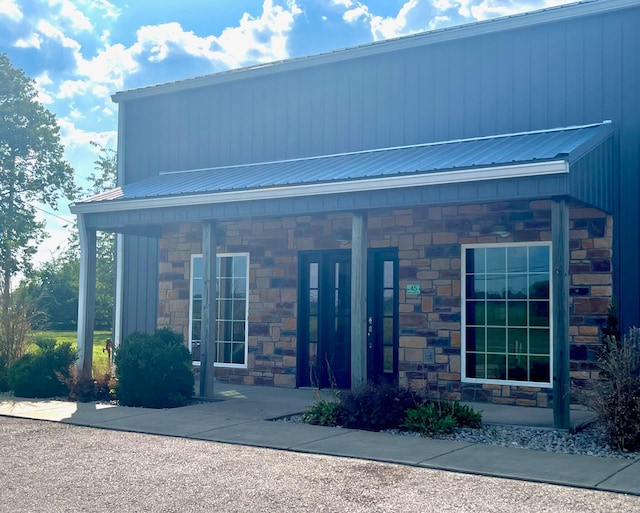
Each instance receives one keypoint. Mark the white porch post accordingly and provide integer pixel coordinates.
(209, 312)
(358, 299)
(119, 292)
(560, 315)
(86, 297)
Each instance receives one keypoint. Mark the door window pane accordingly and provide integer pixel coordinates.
(387, 279)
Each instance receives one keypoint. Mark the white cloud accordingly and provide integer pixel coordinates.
(439, 21)
(419, 15)
(41, 83)
(108, 10)
(11, 10)
(110, 66)
(157, 41)
(261, 39)
(57, 239)
(254, 40)
(33, 40)
(383, 27)
(49, 30)
(72, 137)
(352, 15)
(71, 88)
(487, 9)
(69, 11)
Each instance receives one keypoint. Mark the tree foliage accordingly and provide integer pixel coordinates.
(32, 169)
(53, 287)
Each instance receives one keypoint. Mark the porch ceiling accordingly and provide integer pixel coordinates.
(502, 158)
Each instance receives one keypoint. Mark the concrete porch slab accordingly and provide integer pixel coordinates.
(382, 447)
(511, 462)
(176, 422)
(276, 435)
(626, 480)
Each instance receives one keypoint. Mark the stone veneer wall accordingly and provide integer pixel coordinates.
(428, 240)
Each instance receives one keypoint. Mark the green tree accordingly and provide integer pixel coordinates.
(103, 178)
(52, 290)
(53, 287)
(32, 169)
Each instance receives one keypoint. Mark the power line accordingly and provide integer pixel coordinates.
(50, 213)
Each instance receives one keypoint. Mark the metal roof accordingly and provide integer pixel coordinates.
(501, 156)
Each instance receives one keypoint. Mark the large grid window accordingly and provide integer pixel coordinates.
(232, 292)
(507, 313)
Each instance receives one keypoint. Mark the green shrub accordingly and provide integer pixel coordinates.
(429, 419)
(616, 395)
(154, 370)
(43, 372)
(440, 417)
(375, 407)
(465, 416)
(324, 413)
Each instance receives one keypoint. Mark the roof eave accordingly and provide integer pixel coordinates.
(341, 187)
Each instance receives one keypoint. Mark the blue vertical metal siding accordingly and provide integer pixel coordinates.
(574, 71)
(140, 282)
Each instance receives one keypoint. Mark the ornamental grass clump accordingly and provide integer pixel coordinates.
(616, 394)
(325, 412)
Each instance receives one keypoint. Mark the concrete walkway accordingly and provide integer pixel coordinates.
(242, 414)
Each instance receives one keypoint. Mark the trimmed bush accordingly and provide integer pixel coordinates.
(154, 370)
(43, 372)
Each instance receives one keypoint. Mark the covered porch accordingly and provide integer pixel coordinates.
(564, 167)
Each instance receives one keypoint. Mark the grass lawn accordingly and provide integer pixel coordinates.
(100, 363)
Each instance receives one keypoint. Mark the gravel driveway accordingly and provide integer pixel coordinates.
(60, 468)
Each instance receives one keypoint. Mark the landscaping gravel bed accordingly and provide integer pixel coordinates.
(589, 440)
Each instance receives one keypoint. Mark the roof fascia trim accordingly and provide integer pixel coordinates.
(295, 191)
(558, 13)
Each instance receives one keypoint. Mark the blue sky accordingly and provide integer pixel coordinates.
(80, 52)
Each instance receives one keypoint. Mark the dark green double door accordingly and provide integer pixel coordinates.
(324, 321)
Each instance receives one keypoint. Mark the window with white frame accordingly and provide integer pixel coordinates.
(232, 302)
(506, 315)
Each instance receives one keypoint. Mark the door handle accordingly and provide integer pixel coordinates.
(370, 332)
